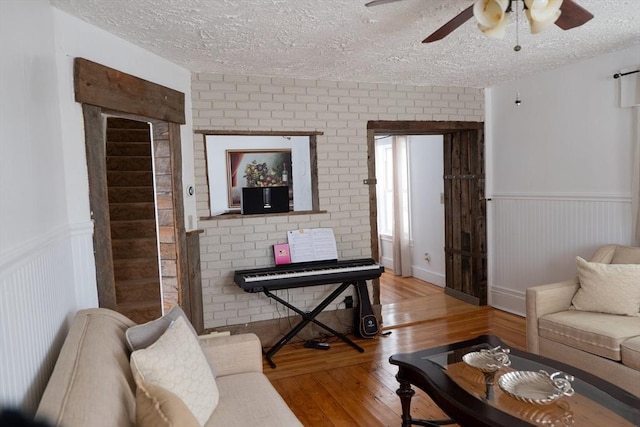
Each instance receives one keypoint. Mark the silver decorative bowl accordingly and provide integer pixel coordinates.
(488, 360)
(539, 388)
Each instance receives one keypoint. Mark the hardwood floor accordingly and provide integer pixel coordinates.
(342, 387)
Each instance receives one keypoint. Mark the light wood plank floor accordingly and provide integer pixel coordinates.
(342, 387)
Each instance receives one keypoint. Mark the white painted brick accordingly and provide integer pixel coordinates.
(260, 114)
(328, 84)
(339, 92)
(211, 113)
(293, 124)
(316, 107)
(209, 77)
(259, 79)
(295, 90)
(247, 123)
(340, 110)
(271, 89)
(249, 105)
(282, 114)
(200, 122)
(261, 97)
(214, 96)
(270, 123)
(248, 87)
(236, 113)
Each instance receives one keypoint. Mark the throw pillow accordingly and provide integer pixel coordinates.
(608, 288)
(176, 362)
(626, 255)
(158, 407)
(142, 336)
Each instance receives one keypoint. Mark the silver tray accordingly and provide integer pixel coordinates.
(536, 387)
(488, 360)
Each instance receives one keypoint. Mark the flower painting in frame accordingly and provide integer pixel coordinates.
(257, 168)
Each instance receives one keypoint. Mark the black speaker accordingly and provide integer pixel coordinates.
(261, 200)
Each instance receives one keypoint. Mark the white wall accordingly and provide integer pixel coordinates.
(426, 168)
(46, 251)
(36, 240)
(76, 38)
(559, 173)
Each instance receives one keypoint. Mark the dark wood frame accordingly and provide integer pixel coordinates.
(103, 91)
(454, 130)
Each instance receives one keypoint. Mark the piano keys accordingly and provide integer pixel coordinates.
(307, 274)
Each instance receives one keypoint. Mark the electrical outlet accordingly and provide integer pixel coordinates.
(427, 257)
(348, 301)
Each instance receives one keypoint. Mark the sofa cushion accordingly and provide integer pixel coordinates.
(142, 336)
(630, 353)
(158, 407)
(252, 395)
(176, 362)
(626, 255)
(608, 288)
(595, 333)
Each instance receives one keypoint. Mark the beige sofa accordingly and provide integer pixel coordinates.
(606, 345)
(92, 384)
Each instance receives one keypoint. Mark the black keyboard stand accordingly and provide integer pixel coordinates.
(308, 317)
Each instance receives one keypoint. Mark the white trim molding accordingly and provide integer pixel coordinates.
(507, 300)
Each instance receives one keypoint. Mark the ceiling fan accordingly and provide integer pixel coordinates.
(492, 16)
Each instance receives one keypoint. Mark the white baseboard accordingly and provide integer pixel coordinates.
(507, 300)
(428, 276)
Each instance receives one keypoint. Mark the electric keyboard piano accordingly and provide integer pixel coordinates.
(307, 274)
(348, 272)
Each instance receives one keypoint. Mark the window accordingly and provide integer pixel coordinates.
(384, 175)
(235, 161)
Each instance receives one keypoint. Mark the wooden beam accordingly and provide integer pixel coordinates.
(421, 127)
(94, 128)
(98, 85)
(255, 132)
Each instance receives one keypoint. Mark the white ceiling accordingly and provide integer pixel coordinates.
(342, 40)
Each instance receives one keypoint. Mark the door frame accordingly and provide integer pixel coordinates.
(103, 92)
(401, 128)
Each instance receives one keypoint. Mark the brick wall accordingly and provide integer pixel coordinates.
(341, 111)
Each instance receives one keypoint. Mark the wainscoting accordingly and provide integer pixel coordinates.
(38, 298)
(531, 236)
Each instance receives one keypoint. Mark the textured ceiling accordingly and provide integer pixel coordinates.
(345, 41)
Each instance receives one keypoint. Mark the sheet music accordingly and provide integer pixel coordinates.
(312, 244)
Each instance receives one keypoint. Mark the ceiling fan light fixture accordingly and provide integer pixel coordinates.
(491, 16)
(542, 13)
(496, 32)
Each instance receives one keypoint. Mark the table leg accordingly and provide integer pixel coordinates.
(405, 392)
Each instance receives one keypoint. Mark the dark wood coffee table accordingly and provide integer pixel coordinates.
(473, 398)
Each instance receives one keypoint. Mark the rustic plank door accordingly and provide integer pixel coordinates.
(465, 216)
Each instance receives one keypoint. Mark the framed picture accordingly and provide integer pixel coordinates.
(256, 168)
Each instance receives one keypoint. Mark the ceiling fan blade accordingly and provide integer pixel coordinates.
(447, 28)
(573, 15)
(378, 2)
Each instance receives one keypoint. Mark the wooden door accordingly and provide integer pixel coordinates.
(465, 216)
